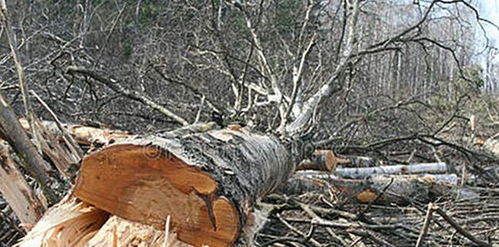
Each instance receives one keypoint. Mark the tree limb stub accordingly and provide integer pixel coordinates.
(207, 182)
(20, 142)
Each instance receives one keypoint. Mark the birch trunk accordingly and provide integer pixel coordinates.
(206, 182)
(400, 189)
(365, 172)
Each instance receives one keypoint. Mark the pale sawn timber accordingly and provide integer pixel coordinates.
(121, 232)
(84, 135)
(16, 191)
(70, 222)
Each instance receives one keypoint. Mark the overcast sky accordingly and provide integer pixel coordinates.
(490, 10)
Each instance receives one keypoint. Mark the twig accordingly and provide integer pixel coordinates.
(461, 230)
(17, 61)
(194, 90)
(198, 114)
(113, 27)
(70, 141)
(426, 225)
(335, 236)
(283, 240)
(356, 241)
(371, 236)
(303, 235)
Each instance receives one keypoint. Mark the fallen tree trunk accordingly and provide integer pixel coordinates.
(206, 182)
(400, 189)
(365, 172)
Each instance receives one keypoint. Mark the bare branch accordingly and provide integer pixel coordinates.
(126, 92)
(328, 88)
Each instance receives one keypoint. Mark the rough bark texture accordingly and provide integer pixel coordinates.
(16, 191)
(206, 182)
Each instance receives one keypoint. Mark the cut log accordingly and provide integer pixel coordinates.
(394, 169)
(322, 160)
(16, 191)
(206, 182)
(400, 190)
(360, 161)
(450, 179)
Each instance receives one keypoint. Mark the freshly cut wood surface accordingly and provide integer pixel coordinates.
(16, 191)
(84, 135)
(206, 182)
(128, 180)
(120, 232)
(70, 222)
(322, 160)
